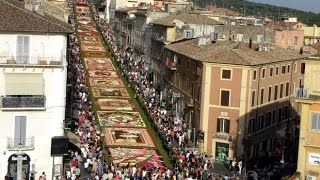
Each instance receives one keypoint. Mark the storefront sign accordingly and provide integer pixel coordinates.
(225, 137)
(314, 159)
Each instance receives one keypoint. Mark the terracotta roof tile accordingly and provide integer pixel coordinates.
(226, 52)
(15, 18)
(188, 18)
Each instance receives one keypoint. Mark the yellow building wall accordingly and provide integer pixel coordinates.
(171, 34)
(313, 32)
(309, 141)
(312, 77)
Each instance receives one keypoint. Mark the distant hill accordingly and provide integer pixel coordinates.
(258, 9)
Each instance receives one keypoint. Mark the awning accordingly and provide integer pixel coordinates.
(73, 138)
(24, 84)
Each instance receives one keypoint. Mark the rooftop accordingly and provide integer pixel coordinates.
(15, 18)
(228, 52)
(187, 18)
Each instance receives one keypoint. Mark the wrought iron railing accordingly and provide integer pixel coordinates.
(301, 93)
(20, 143)
(23, 102)
(27, 60)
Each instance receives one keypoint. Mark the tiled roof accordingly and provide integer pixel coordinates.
(226, 52)
(15, 18)
(126, 9)
(187, 18)
(222, 10)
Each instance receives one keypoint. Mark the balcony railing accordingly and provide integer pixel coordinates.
(301, 93)
(27, 60)
(14, 144)
(33, 102)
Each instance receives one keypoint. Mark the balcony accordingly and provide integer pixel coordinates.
(31, 61)
(171, 65)
(23, 103)
(14, 144)
(301, 93)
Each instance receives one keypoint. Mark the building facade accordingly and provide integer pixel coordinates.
(240, 86)
(33, 50)
(308, 99)
(311, 34)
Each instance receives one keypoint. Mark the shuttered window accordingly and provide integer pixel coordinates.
(23, 49)
(24, 84)
(223, 125)
(315, 124)
(20, 129)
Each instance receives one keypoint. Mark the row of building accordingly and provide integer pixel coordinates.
(246, 84)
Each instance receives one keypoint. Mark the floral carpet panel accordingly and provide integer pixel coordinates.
(109, 92)
(99, 64)
(120, 119)
(125, 156)
(128, 137)
(114, 104)
(106, 82)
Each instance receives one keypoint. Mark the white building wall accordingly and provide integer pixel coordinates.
(42, 125)
(45, 45)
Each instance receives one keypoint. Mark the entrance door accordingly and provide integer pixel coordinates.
(222, 152)
(12, 166)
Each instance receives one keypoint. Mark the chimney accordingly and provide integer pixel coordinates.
(301, 50)
(40, 10)
(250, 43)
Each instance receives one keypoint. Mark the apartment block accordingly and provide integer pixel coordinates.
(243, 92)
(33, 72)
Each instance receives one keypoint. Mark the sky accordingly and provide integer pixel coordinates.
(305, 5)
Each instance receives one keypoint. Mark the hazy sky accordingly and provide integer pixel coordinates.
(305, 5)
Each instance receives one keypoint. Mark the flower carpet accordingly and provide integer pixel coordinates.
(125, 133)
(120, 119)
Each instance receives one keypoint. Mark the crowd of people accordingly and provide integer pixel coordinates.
(188, 164)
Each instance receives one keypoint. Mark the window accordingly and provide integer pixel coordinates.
(252, 126)
(271, 72)
(261, 96)
(275, 97)
(268, 119)
(226, 74)
(281, 90)
(253, 97)
(20, 126)
(254, 76)
(287, 88)
(277, 71)
(263, 73)
(315, 124)
(179, 61)
(269, 94)
(225, 98)
(295, 67)
(288, 69)
(223, 125)
(260, 122)
(283, 69)
(303, 68)
(273, 116)
(23, 49)
(295, 40)
(285, 112)
(280, 115)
